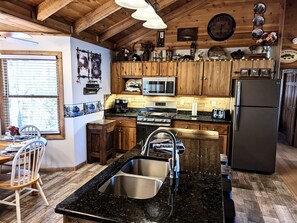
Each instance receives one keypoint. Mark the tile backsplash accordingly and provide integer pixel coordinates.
(183, 103)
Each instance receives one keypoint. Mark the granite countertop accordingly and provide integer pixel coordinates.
(181, 115)
(198, 197)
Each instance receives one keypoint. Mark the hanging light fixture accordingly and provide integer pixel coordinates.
(145, 13)
(157, 23)
(132, 4)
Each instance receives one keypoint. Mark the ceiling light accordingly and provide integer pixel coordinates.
(132, 4)
(145, 13)
(155, 24)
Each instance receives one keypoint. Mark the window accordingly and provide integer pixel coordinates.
(32, 91)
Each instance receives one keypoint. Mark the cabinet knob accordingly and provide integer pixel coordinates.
(213, 129)
(205, 78)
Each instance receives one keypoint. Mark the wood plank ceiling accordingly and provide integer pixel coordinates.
(104, 23)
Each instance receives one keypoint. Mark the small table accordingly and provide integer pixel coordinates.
(100, 140)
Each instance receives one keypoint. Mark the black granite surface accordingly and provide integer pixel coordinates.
(195, 197)
(181, 115)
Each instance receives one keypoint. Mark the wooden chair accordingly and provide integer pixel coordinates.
(24, 176)
(30, 130)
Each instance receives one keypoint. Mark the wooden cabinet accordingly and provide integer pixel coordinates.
(222, 129)
(131, 69)
(189, 78)
(116, 80)
(217, 78)
(100, 140)
(164, 68)
(237, 65)
(125, 133)
(168, 68)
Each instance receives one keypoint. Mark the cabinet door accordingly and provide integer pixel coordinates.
(128, 138)
(116, 80)
(237, 65)
(150, 68)
(126, 68)
(136, 68)
(217, 78)
(189, 79)
(168, 68)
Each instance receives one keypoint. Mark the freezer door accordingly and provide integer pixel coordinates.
(254, 140)
(263, 93)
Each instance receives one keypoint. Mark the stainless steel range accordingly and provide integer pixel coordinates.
(156, 114)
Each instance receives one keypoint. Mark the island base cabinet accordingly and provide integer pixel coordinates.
(69, 219)
(100, 141)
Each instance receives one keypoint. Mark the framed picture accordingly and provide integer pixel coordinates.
(96, 65)
(83, 63)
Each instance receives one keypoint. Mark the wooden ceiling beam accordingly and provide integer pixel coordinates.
(95, 16)
(186, 9)
(128, 22)
(48, 7)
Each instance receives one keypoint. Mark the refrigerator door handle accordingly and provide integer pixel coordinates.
(238, 93)
(236, 119)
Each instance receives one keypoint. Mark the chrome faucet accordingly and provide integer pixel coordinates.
(174, 165)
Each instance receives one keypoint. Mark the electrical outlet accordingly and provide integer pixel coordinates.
(213, 103)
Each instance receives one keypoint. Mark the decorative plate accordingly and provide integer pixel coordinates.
(259, 8)
(258, 20)
(257, 33)
(288, 56)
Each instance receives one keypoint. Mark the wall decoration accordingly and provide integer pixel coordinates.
(96, 65)
(187, 34)
(91, 107)
(75, 110)
(83, 58)
(160, 38)
(221, 27)
(288, 56)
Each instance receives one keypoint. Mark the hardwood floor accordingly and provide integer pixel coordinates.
(268, 198)
(257, 197)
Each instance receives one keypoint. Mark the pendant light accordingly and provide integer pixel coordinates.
(132, 4)
(145, 13)
(157, 23)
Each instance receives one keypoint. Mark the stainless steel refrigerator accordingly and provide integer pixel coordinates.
(255, 125)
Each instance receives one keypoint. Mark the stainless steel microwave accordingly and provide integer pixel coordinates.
(160, 86)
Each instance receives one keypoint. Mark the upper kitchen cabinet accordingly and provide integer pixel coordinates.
(117, 82)
(168, 68)
(131, 68)
(189, 78)
(164, 68)
(253, 68)
(217, 78)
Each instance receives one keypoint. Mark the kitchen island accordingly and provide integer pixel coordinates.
(195, 197)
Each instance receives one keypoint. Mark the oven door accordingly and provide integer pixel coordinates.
(143, 131)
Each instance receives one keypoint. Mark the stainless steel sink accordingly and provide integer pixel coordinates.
(139, 178)
(132, 186)
(147, 167)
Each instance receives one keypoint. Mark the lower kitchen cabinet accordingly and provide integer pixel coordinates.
(100, 140)
(125, 133)
(222, 129)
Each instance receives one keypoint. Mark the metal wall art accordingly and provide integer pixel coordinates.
(88, 65)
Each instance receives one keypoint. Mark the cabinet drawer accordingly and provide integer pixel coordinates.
(220, 128)
(94, 126)
(186, 125)
(124, 122)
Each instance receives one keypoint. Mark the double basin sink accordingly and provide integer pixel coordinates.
(139, 178)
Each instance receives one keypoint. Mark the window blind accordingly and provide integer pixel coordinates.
(30, 92)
